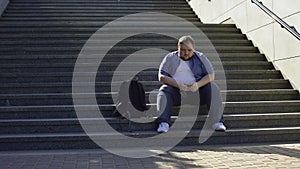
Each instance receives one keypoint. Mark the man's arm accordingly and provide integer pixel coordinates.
(170, 81)
(204, 81)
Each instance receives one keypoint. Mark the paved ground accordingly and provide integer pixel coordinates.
(247, 156)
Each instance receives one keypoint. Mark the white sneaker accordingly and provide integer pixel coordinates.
(163, 127)
(219, 127)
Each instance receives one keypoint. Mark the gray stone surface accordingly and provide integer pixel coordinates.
(242, 156)
(41, 39)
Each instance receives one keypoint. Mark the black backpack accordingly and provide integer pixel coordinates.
(131, 98)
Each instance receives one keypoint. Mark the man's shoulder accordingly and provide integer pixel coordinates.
(198, 53)
(174, 53)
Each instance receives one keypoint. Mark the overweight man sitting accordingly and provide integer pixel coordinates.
(187, 71)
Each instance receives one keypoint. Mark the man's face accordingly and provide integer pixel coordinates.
(186, 51)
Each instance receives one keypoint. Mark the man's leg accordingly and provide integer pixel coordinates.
(164, 106)
(166, 99)
(211, 96)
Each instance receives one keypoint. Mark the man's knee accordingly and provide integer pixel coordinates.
(214, 86)
(168, 88)
(210, 88)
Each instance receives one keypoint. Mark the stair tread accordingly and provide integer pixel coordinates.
(33, 121)
(252, 103)
(127, 63)
(33, 84)
(228, 132)
(104, 94)
(74, 56)
(109, 73)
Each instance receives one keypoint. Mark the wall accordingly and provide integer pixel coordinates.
(3, 5)
(280, 47)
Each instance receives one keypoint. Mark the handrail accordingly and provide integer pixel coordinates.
(3, 5)
(283, 24)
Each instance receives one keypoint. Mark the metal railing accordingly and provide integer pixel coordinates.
(283, 24)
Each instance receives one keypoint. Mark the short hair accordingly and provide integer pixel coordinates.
(186, 39)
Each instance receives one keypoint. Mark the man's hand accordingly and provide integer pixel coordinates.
(204, 81)
(194, 87)
(183, 87)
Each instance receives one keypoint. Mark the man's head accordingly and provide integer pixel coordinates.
(186, 45)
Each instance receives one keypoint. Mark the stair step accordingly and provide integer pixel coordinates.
(120, 48)
(263, 106)
(72, 28)
(92, 26)
(64, 87)
(145, 75)
(261, 95)
(268, 120)
(79, 43)
(123, 11)
(113, 15)
(106, 97)
(67, 111)
(268, 135)
(93, 3)
(99, 24)
(85, 36)
(183, 8)
(69, 125)
(34, 58)
(101, 4)
(81, 30)
(82, 14)
(90, 18)
(128, 66)
(207, 50)
(80, 140)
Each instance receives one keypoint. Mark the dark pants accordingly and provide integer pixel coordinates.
(169, 96)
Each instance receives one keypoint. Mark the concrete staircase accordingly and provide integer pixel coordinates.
(41, 39)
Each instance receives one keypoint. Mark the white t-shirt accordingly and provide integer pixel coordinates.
(184, 73)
